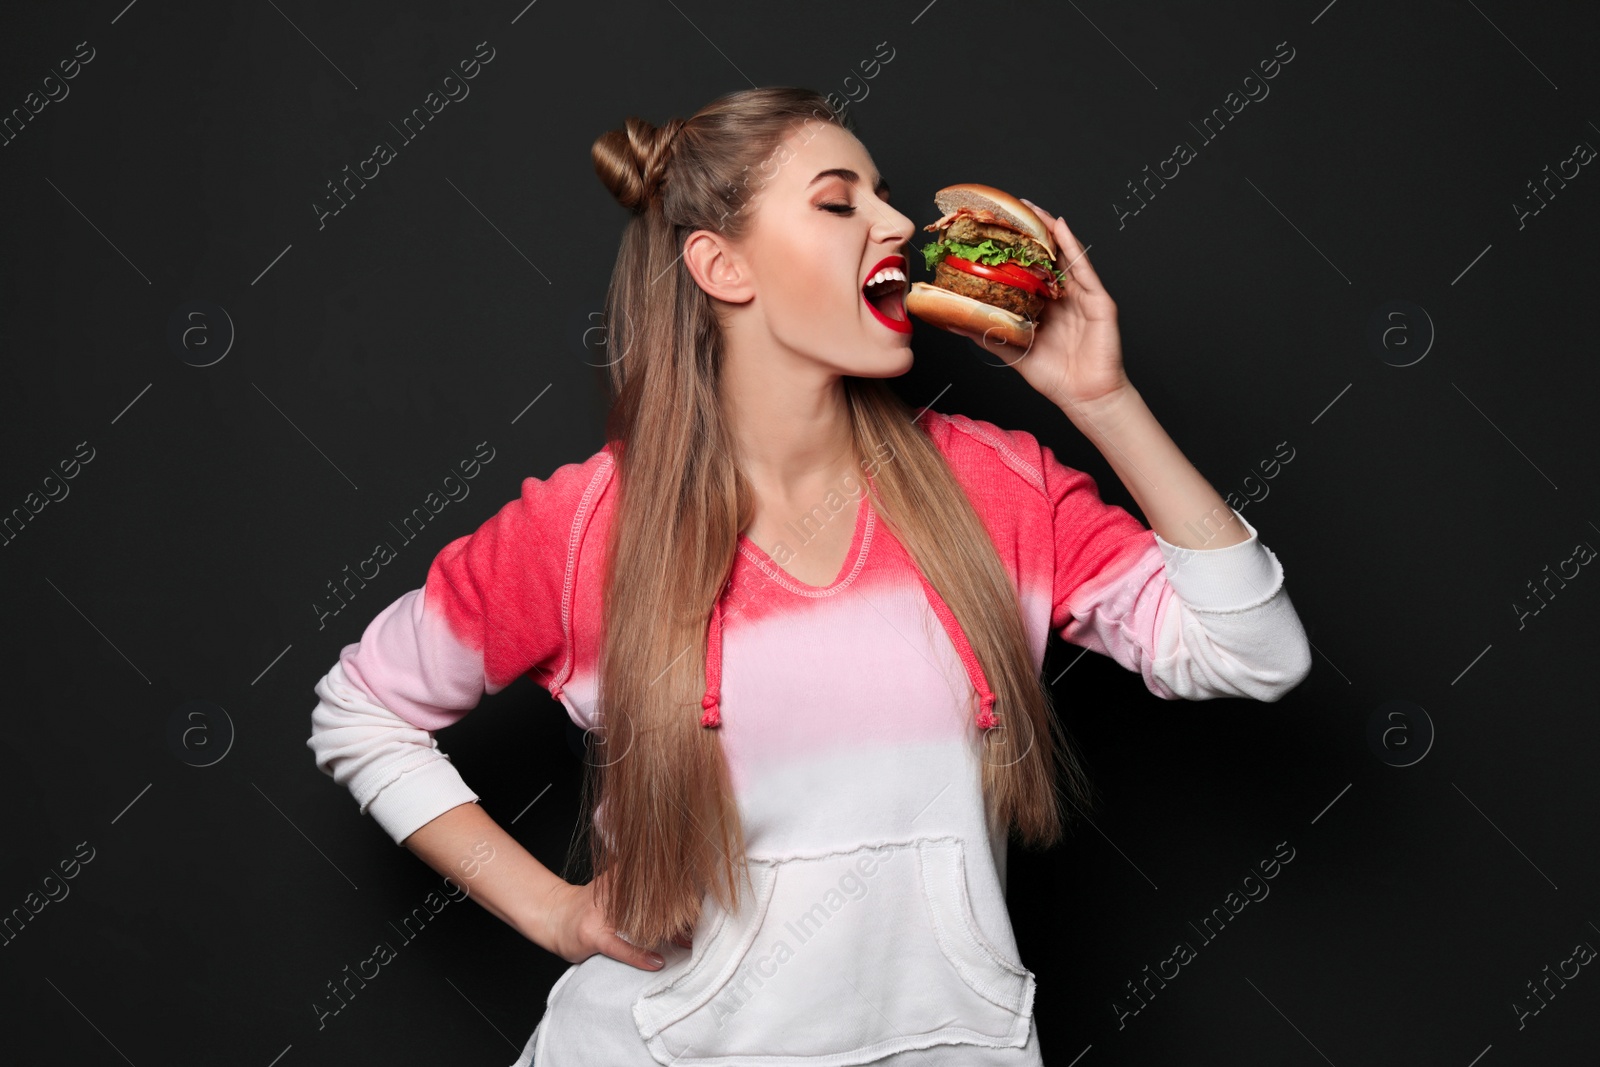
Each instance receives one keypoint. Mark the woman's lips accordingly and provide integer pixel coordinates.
(903, 323)
(900, 322)
(900, 325)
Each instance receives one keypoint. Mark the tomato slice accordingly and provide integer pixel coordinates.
(1029, 273)
(1004, 273)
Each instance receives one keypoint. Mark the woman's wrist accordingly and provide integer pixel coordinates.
(533, 911)
(1100, 417)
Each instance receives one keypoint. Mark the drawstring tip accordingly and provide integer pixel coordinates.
(713, 715)
(987, 719)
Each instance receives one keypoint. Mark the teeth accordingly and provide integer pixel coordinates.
(885, 274)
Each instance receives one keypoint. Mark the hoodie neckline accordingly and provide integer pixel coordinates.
(854, 559)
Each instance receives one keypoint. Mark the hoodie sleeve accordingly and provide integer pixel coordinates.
(1196, 624)
(489, 611)
(394, 769)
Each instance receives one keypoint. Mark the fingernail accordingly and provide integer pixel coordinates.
(655, 960)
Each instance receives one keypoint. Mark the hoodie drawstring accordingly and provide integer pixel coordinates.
(969, 659)
(712, 716)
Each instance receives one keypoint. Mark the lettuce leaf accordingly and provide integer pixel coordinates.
(986, 252)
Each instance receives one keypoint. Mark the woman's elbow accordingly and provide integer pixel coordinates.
(1277, 684)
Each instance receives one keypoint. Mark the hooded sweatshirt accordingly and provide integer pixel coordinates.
(873, 928)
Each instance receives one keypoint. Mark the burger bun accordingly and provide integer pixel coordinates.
(1002, 205)
(951, 311)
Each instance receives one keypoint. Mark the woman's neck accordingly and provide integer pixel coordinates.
(793, 431)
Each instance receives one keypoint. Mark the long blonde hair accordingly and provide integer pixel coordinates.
(668, 827)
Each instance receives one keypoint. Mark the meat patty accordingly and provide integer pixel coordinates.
(997, 294)
(969, 231)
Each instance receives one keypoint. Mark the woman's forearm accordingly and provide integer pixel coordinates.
(1177, 501)
(471, 848)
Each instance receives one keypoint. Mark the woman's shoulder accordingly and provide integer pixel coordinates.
(535, 532)
(574, 477)
(572, 490)
(978, 447)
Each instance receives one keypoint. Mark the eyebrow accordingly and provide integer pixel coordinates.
(881, 188)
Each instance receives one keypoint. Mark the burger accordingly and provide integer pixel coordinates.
(993, 263)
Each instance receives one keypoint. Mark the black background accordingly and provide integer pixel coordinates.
(374, 352)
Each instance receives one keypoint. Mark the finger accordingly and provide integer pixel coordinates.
(1037, 210)
(988, 340)
(618, 949)
(1074, 260)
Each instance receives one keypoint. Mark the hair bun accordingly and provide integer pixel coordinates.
(632, 161)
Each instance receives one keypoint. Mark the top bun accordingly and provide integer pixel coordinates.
(632, 161)
(1005, 206)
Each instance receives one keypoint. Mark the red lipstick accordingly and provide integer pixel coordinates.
(903, 323)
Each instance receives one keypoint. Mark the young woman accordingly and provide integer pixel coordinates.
(805, 626)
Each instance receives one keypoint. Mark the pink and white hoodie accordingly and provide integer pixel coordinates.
(874, 929)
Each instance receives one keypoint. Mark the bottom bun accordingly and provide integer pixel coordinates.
(951, 311)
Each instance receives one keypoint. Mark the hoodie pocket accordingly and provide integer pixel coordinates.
(835, 959)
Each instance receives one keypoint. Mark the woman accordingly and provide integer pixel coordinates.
(825, 617)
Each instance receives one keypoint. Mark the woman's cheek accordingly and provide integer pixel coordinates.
(812, 289)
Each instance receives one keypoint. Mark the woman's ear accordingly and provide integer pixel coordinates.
(717, 267)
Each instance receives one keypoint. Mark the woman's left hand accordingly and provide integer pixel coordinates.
(1076, 355)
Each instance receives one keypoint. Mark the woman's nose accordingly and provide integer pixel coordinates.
(895, 226)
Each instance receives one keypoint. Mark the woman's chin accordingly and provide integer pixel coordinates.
(889, 365)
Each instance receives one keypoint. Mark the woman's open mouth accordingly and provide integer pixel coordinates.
(884, 293)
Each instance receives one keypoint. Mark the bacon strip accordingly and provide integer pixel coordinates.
(980, 215)
(1052, 286)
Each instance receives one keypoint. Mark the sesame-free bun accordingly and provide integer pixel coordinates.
(1005, 206)
(951, 311)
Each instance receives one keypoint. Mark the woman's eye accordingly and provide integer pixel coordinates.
(839, 209)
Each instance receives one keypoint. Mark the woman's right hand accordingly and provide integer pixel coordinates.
(575, 928)
(464, 843)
